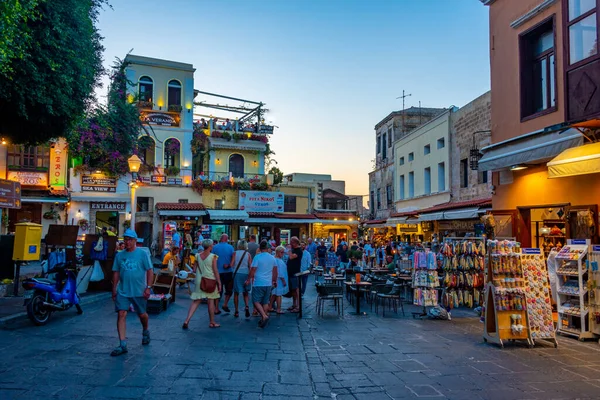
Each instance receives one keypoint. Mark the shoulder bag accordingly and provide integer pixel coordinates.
(238, 266)
(208, 285)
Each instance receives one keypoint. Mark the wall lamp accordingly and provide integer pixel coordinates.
(78, 213)
(518, 167)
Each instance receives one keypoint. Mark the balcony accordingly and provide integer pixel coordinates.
(215, 176)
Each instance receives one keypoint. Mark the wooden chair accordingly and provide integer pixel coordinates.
(164, 283)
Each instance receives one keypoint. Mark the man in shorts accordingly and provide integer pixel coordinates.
(263, 276)
(293, 267)
(132, 280)
(226, 259)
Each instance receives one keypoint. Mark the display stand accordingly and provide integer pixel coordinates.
(425, 280)
(506, 316)
(572, 290)
(537, 292)
(594, 288)
(464, 265)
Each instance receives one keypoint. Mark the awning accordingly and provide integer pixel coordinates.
(181, 213)
(86, 196)
(180, 209)
(397, 220)
(580, 160)
(465, 213)
(436, 216)
(532, 148)
(228, 215)
(251, 221)
(44, 200)
(340, 222)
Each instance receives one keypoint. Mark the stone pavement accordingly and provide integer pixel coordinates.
(314, 358)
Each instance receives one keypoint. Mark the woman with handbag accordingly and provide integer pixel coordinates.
(208, 284)
(240, 276)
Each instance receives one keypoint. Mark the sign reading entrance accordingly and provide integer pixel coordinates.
(10, 194)
(107, 205)
(98, 183)
(252, 201)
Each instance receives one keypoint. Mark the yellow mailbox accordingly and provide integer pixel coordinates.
(28, 239)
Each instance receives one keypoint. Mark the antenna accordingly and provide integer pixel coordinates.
(404, 96)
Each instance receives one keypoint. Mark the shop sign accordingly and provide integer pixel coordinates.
(579, 241)
(265, 129)
(58, 164)
(158, 179)
(458, 225)
(160, 118)
(253, 201)
(26, 178)
(174, 181)
(354, 235)
(107, 205)
(408, 227)
(10, 194)
(531, 251)
(427, 226)
(98, 183)
(595, 248)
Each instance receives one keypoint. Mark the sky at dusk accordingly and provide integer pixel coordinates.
(328, 70)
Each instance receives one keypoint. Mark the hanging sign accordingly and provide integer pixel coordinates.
(160, 118)
(98, 183)
(26, 178)
(107, 205)
(58, 164)
(265, 129)
(531, 251)
(10, 194)
(253, 201)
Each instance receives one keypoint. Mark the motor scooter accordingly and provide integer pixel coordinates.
(43, 296)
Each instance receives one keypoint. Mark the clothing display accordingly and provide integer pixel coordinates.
(425, 279)
(463, 264)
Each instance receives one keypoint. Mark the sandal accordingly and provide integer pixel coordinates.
(247, 312)
(185, 325)
(226, 309)
(217, 312)
(118, 351)
(295, 310)
(215, 325)
(255, 314)
(236, 314)
(280, 312)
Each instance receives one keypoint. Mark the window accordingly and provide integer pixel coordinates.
(383, 148)
(172, 149)
(289, 204)
(411, 184)
(219, 204)
(379, 199)
(464, 173)
(441, 143)
(372, 204)
(401, 187)
(441, 177)
(426, 149)
(390, 137)
(146, 86)
(28, 157)
(378, 144)
(389, 195)
(483, 177)
(427, 180)
(143, 204)
(538, 69)
(401, 160)
(583, 30)
(411, 156)
(146, 149)
(174, 93)
(236, 165)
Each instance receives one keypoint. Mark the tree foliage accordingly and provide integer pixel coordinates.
(277, 175)
(51, 64)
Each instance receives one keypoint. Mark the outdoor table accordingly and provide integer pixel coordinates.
(380, 271)
(358, 284)
(333, 278)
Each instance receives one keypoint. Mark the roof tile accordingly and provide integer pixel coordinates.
(181, 206)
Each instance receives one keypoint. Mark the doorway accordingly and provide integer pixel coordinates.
(108, 220)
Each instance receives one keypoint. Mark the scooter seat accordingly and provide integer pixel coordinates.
(44, 280)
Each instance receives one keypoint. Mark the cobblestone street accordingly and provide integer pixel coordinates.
(317, 357)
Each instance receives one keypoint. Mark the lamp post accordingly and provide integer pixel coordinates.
(134, 167)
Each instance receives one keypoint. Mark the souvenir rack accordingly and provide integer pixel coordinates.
(425, 281)
(594, 288)
(463, 264)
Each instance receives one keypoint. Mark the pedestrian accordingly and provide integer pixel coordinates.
(293, 267)
(252, 246)
(332, 259)
(240, 276)
(263, 276)
(175, 239)
(305, 266)
(206, 269)
(321, 254)
(343, 256)
(226, 259)
(369, 254)
(132, 281)
(171, 260)
(282, 280)
(311, 246)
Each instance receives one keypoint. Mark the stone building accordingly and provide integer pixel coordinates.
(471, 129)
(390, 129)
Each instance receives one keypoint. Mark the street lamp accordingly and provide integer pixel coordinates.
(134, 167)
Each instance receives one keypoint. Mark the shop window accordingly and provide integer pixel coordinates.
(401, 192)
(28, 157)
(401, 161)
(538, 69)
(441, 143)
(236, 165)
(145, 89)
(389, 195)
(383, 147)
(411, 156)
(379, 199)
(426, 149)
(441, 177)
(427, 180)
(411, 184)
(464, 173)
(174, 94)
(583, 30)
(143, 204)
(289, 204)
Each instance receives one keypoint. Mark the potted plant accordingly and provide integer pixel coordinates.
(52, 215)
(145, 104)
(83, 224)
(175, 108)
(172, 171)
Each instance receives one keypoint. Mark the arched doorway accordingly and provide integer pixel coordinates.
(236, 165)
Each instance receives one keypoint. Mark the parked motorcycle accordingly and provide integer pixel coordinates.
(44, 296)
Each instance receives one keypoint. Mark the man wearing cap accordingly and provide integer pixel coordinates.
(132, 280)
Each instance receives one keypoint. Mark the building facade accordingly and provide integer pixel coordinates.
(545, 108)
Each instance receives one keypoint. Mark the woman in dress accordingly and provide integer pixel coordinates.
(282, 280)
(207, 268)
(243, 261)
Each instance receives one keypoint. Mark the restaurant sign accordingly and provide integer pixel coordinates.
(26, 178)
(58, 164)
(160, 118)
(107, 206)
(161, 179)
(98, 183)
(253, 201)
(408, 227)
(10, 194)
(467, 225)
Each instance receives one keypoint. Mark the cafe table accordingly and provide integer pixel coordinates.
(333, 278)
(358, 286)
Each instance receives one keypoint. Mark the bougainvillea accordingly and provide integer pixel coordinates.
(172, 147)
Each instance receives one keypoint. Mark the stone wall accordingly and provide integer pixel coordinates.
(471, 118)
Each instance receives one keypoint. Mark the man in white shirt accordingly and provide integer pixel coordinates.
(263, 276)
(305, 266)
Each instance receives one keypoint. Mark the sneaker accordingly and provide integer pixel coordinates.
(118, 351)
(146, 338)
